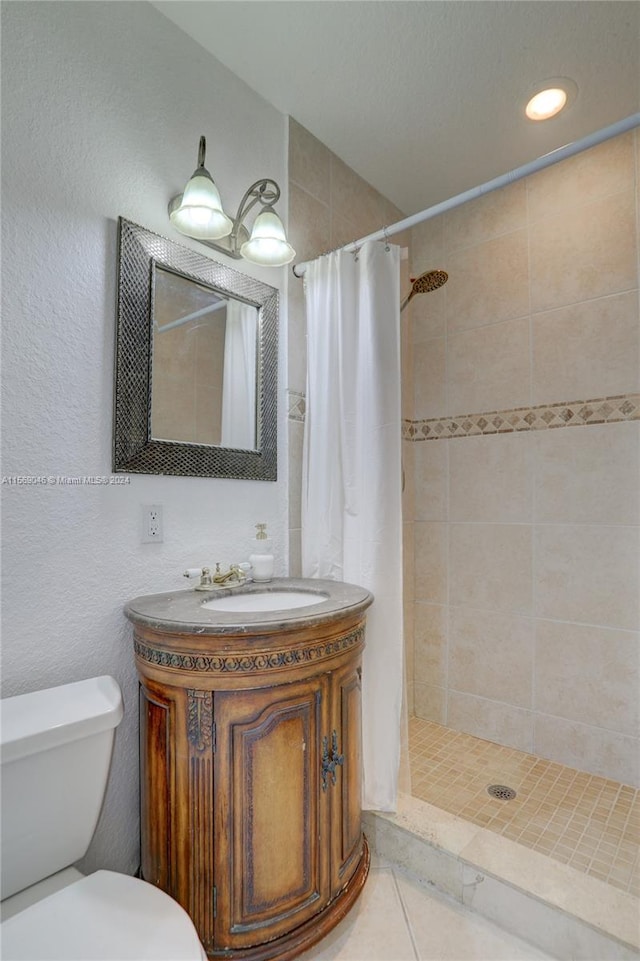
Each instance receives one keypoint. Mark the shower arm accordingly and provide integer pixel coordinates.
(547, 160)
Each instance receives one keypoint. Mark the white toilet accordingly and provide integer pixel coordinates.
(55, 752)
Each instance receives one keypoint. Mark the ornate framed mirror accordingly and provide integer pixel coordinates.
(196, 364)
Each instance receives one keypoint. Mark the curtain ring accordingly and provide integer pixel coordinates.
(355, 252)
(386, 239)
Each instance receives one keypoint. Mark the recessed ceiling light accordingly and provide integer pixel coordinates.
(549, 98)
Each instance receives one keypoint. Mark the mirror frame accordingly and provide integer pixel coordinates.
(134, 449)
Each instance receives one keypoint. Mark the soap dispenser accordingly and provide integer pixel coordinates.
(262, 559)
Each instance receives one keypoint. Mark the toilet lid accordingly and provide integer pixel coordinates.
(103, 917)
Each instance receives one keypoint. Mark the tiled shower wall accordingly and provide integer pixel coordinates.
(329, 206)
(522, 455)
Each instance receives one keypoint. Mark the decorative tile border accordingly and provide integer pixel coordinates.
(296, 405)
(579, 413)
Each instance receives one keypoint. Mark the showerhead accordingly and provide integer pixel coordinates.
(426, 282)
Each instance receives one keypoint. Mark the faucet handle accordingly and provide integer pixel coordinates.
(204, 573)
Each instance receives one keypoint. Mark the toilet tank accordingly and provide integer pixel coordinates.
(55, 752)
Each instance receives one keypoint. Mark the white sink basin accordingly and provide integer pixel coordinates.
(252, 602)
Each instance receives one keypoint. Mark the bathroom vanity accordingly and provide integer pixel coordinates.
(250, 749)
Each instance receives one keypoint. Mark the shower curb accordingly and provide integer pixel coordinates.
(564, 912)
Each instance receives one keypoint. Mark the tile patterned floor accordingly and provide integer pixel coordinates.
(588, 822)
(398, 919)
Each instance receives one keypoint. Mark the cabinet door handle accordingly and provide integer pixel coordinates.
(330, 761)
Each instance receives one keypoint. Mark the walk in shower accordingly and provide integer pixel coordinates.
(521, 508)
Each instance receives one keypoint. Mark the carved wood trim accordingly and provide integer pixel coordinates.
(201, 813)
(245, 663)
(200, 719)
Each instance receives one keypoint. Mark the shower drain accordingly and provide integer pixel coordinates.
(501, 791)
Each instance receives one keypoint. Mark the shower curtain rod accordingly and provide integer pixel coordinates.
(561, 153)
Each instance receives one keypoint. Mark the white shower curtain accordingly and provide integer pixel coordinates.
(351, 501)
(239, 376)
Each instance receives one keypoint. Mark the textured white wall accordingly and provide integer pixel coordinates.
(103, 104)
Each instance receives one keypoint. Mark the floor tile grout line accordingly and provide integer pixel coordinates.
(405, 913)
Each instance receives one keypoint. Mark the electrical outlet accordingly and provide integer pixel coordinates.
(151, 523)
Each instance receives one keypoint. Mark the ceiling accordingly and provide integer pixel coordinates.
(424, 99)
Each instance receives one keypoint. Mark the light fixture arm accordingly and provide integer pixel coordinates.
(202, 149)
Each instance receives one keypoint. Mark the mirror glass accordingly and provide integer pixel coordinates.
(203, 364)
(196, 364)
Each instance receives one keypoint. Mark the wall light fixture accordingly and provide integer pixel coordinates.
(198, 213)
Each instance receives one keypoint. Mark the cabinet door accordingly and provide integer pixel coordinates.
(346, 794)
(271, 872)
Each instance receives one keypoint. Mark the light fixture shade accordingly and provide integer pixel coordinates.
(268, 242)
(200, 214)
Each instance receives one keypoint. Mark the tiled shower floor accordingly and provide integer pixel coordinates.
(588, 822)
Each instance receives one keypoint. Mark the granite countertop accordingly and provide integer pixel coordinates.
(181, 612)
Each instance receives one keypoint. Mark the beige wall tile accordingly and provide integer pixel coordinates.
(587, 252)
(343, 230)
(588, 674)
(508, 725)
(429, 378)
(491, 655)
(637, 140)
(427, 312)
(309, 161)
(605, 169)
(430, 473)
(408, 498)
(499, 212)
(587, 350)
(406, 386)
(488, 282)
(296, 337)
(427, 246)
(588, 748)
(408, 566)
(491, 478)
(309, 224)
(589, 475)
(430, 702)
(430, 579)
(295, 553)
(408, 616)
(489, 368)
(588, 574)
(491, 566)
(430, 644)
(296, 434)
(355, 198)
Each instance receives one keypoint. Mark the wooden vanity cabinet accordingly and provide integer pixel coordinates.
(251, 782)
